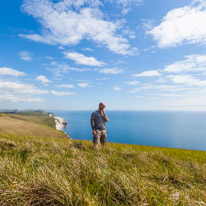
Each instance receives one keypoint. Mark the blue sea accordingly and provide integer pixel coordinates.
(185, 130)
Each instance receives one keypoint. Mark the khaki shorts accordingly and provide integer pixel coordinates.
(101, 136)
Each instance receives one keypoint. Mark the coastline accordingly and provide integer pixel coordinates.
(61, 123)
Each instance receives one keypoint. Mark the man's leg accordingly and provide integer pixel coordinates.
(96, 138)
(103, 137)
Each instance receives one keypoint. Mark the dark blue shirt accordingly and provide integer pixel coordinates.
(98, 118)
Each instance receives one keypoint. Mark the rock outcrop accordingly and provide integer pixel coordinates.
(60, 123)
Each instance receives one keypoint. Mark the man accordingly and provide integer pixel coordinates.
(98, 119)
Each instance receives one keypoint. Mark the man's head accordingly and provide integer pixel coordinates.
(102, 106)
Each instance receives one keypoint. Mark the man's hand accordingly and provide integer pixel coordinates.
(105, 116)
(94, 132)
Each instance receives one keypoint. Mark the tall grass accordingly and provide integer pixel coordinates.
(46, 171)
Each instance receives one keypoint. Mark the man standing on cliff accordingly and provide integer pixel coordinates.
(98, 119)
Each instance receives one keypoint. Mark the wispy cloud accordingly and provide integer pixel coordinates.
(111, 71)
(187, 79)
(88, 49)
(10, 71)
(83, 60)
(43, 79)
(151, 73)
(68, 22)
(48, 57)
(60, 69)
(61, 47)
(20, 92)
(147, 24)
(182, 25)
(126, 4)
(83, 85)
(13, 98)
(68, 86)
(7, 86)
(192, 63)
(60, 93)
(116, 88)
(152, 87)
(100, 79)
(25, 55)
(132, 82)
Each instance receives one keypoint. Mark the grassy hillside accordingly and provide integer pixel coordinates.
(35, 125)
(34, 116)
(54, 171)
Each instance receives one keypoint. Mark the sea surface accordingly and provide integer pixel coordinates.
(186, 130)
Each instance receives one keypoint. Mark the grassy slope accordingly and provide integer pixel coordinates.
(29, 125)
(40, 171)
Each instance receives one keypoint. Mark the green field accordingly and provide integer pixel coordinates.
(60, 171)
(29, 124)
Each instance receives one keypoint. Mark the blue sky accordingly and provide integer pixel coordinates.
(131, 54)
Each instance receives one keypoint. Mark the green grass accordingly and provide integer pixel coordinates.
(29, 125)
(36, 117)
(54, 171)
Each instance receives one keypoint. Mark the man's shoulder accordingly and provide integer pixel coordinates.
(95, 112)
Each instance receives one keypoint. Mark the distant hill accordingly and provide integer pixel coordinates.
(8, 110)
(33, 125)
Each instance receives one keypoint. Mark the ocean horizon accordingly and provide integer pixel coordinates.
(172, 129)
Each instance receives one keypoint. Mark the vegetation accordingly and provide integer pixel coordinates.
(37, 116)
(36, 125)
(58, 171)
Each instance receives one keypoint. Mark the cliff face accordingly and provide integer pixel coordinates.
(60, 123)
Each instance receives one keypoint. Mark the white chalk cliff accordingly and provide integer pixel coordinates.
(60, 123)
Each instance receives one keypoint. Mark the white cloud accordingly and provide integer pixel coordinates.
(25, 55)
(19, 88)
(61, 47)
(18, 92)
(100, 79)
(69, 22)
(81, 59)
(12, 72)
(192, 63)
(132, 82)
(111, 71)
(57, 93)
(48, 57)
(151, 87)
(88, 49)
(66, 86)
(62, 69)
(182, 25)
(187, 79)
(83, 85)
(129, 33)
(117, 88)
(147, 24)
(13, 98)
(126, 2)
(43, 79)
(151, 73)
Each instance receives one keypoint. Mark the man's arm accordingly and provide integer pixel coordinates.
(92, 124)
(105, 117)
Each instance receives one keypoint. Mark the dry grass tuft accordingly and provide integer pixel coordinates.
(5, 145)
